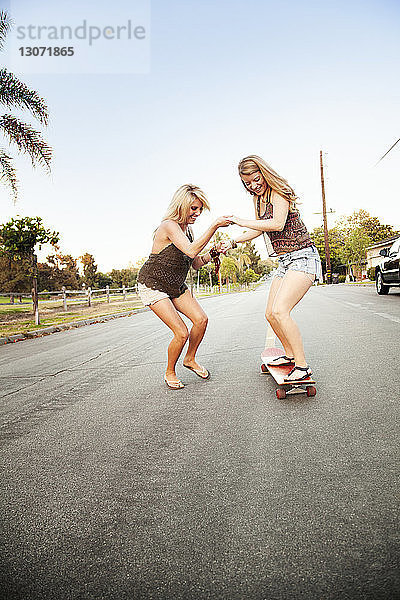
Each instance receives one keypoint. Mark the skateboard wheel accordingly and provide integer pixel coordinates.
(311, 390)
(264, 369)
(280, 394)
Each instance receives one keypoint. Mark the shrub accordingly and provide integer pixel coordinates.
(371, 273)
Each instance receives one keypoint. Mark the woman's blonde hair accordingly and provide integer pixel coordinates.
(179, 207)
(251, 164)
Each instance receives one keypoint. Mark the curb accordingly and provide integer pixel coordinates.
(19, 337)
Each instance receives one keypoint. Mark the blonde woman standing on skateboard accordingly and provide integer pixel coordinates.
(161, 280)
(299, 262)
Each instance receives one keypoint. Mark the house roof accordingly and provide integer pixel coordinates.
(386, 242)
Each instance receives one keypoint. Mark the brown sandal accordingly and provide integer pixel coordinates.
(305, 370)
(287, 361)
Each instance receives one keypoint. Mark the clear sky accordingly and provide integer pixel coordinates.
(227, 78)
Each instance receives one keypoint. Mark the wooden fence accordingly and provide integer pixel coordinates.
(88, 296)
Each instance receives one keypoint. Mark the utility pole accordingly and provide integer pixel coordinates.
(327, 252)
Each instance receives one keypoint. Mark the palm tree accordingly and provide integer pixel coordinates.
(228, 269)
(241, 257)
(14, 93)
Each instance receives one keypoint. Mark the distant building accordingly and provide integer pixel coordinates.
(373, 256)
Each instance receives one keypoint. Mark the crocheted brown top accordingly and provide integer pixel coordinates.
(167, 270)
(294, 235)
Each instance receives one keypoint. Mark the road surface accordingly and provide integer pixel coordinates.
(115, 487)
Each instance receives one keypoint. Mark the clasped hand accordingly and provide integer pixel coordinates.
(224, 221)
(227, 220)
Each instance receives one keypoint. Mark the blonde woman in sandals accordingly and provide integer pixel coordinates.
(161, 280)
(299, 263)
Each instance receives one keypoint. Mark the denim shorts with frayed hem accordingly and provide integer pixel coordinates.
(306, 260)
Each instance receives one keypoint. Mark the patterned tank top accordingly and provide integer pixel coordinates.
(294, 235)
(167, 270)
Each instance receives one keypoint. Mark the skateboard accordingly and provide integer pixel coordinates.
(279, 373)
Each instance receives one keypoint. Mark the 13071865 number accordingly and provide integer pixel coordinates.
(46, 50)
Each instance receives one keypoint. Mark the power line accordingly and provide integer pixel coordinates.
(391, 148)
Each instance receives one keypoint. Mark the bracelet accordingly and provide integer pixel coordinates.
(214, 252)
(215, 257)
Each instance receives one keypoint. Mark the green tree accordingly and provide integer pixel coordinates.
(115, 275)
(128, 277)
(15, 274)
(59, 271)
(123, 277)
(18, 240)
(103, 280)
(20, 236)
(350, 237)
(241, 257)
(266, 266)
(89, 269)
(14, 93)
(207, 274)
(374, 229)
(250, 276)
(219, 236)
(250, 249)
(336, 238)
(229, 268)
(353, 251)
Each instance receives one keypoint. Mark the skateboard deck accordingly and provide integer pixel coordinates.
(279, 373)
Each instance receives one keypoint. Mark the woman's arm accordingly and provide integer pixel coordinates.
(202, 260)
(247, 236)
(175, 234)
(280, 211)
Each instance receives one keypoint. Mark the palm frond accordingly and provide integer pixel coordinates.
(5, 26)
(27, 140)
(15, 93)
(8, 174)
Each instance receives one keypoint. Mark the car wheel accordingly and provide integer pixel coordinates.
(381, 288)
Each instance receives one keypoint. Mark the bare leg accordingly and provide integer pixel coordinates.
(189, 306)
(294, 285)
(165, 310)
(273, 291)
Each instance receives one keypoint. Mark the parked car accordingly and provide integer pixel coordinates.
(387, 272)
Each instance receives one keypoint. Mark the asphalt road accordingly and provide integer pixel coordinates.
(114, 487)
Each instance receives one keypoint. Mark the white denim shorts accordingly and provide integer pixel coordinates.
(306, 260)
(149, 296)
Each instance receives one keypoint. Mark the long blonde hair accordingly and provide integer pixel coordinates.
(179, 207)
(251, 164)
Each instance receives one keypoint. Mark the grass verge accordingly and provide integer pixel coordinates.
(20, 320)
